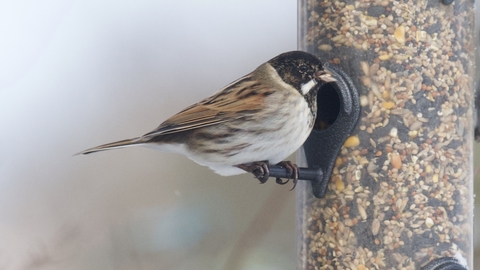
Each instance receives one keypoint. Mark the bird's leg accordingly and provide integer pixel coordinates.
(259, 169)
(292, 170)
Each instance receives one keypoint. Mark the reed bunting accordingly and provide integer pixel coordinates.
(257, 120)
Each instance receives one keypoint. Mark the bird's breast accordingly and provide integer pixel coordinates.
(271, 134)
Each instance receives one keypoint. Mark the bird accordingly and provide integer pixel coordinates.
(256, 120)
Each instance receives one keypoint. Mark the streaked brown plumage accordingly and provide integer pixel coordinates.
(263, 116)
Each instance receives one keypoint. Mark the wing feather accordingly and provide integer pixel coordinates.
(237, 100)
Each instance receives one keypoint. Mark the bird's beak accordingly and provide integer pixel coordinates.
(324, 76)
(321, 76)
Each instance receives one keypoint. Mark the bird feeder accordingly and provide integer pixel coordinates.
(399, 193)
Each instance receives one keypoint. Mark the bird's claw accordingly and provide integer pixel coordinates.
(292, 170)
(279, 181)
(259, 169)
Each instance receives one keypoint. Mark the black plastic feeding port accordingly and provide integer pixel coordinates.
(337, 114)
(445, 263)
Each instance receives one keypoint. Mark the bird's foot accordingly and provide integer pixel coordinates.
(292, 170)
(259, 169)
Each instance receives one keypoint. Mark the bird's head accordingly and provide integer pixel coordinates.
(301, 70)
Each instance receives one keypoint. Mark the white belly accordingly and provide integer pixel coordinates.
(273, 146)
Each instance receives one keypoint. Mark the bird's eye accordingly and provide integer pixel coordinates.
(303, 68)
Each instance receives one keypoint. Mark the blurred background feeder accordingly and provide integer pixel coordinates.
(400, 195)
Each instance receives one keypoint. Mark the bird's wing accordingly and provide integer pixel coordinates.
(238, 99)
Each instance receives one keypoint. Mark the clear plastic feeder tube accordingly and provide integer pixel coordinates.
(400, 194)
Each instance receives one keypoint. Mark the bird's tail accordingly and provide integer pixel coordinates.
(113, 145)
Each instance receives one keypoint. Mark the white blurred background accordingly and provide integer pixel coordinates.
(75, 74)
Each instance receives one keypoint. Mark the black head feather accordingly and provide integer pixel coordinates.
(296, 67)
